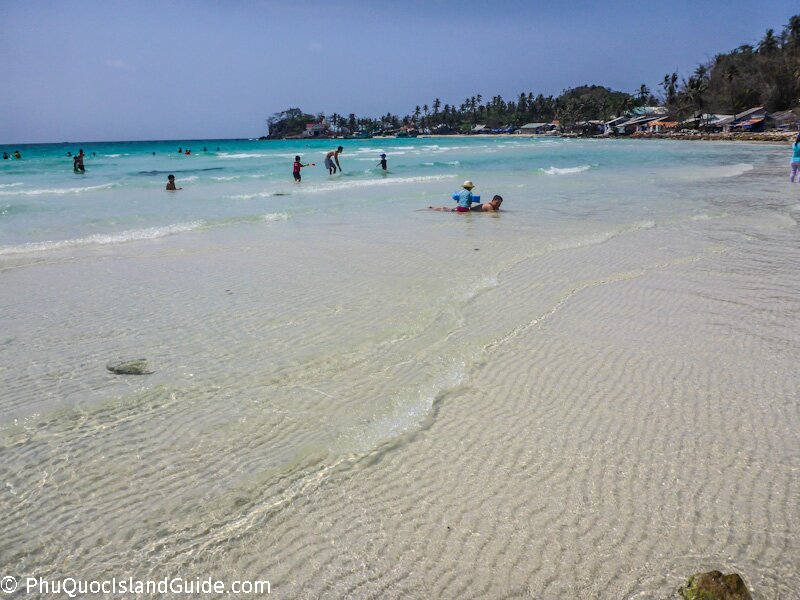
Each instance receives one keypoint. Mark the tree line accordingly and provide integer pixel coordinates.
(766, 74)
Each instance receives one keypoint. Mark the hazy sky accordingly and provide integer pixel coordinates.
(90, 70)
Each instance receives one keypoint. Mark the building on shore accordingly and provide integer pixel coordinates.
(536, 128)
(662, 126)
(315, 130)
(786, 120)
(591, 127)
(636, 124)
(753, 119)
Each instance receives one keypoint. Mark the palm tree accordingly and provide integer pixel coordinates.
(769, 43)
(669, 84)
(730, 74)
(644, 93)
(793, 29)
(701, 72)
(694, 93)
(416, 113)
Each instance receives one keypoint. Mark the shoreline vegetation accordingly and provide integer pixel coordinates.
(749, 90)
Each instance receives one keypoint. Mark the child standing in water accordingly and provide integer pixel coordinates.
(795, 160)
(382, 164)
(296, 169)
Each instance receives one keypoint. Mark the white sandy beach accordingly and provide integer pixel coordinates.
(593, 395)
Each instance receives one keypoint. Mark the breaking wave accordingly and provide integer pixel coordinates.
(565, 170)
(71, 190)
(131, 235)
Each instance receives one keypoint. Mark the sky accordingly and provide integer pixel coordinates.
(105, 70)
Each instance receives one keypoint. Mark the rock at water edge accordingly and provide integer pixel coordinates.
(715, 586)
(137, 366)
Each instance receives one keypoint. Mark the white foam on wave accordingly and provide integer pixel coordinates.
(732, 170)
(112, 155)
(72, 190)
(131, 235)
(454, 163)
(229, 178)
(249, 196)
(642, 225)
(602, 237)
(280, 216)
(190, 178)
(241, 155)
(706, 172)
(375, 182)
(486, 283)
(8, 185)
(565, 170)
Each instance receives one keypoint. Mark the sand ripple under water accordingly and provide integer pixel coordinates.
(589, 396)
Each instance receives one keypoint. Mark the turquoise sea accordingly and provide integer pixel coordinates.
(42, 202)
(591, 394)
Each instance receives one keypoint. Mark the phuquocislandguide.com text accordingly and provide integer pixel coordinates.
(73, 587)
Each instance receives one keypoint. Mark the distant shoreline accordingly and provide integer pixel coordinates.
(775, 137)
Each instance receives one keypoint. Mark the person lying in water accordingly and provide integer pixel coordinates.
(493, 206)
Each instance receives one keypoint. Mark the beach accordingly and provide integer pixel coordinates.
(591, 394)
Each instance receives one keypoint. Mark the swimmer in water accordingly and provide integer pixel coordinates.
(382, 164)
(171, 183)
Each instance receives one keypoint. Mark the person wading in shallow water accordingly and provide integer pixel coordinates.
(795, 160)
(77, 162)
(330, 157)
(171, 183)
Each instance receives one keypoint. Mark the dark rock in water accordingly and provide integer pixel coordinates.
(137, 366)
(715, 586)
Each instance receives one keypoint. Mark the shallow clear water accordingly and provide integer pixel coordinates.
(334, 353)
(118, 198)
